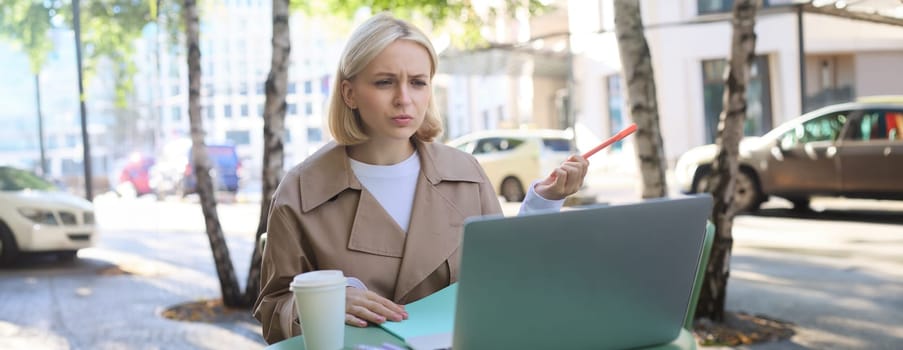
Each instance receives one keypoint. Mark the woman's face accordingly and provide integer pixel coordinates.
(392, 93)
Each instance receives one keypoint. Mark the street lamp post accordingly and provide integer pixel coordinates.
(86, 144)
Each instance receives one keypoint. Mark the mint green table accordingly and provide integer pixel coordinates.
(377, 336)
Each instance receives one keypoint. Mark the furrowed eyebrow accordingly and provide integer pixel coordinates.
(393, 75)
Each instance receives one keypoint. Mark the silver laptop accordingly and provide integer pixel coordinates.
(607, 277)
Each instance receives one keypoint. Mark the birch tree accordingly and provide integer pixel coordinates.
(273, 132)
(726, 166)
(231, 292)
(636, 62)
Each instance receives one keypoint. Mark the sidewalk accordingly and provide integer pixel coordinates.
(90, 304)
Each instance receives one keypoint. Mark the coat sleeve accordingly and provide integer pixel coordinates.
(283, 258)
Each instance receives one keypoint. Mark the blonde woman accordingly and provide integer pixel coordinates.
(382, 203)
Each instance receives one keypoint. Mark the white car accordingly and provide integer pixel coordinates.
(512, 159)
(35, 217)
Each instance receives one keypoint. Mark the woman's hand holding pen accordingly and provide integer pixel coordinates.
(362, 306)
(565, 180)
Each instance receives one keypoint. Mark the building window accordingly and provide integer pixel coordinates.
(758, 97)
(287, 137)
(211, 111)
(291, 109)
(308, 108)
(244, 110)
(176, 114)
(308, 87)
(227, 111)
(291, 88)
(260, 109)
(260, 88)
(616, 118)
(314, 135)
(239, 137)
(719, 6)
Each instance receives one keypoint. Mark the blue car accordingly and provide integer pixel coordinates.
(224, 169)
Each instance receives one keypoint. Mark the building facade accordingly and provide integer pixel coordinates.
(832, 57)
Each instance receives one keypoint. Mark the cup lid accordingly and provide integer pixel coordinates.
(318, 278)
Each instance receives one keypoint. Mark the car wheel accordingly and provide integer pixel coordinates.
(68, 255)
(800, 203)
(8, 247)
(512, 190)
(747, 195)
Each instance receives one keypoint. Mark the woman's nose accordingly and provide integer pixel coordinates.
(403, 96)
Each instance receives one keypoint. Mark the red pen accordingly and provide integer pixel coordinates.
(620, 135)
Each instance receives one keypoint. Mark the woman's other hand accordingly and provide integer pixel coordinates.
(362, 306)
(564, 180)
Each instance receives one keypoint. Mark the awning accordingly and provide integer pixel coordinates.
(878, 11)
(506, 60)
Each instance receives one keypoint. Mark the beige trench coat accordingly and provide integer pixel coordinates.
(321, 218)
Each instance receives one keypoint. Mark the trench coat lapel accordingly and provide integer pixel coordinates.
(373, 230)
(432, 237)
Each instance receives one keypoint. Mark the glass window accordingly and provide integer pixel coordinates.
(12, 179)
(176, 114)
(244, 110)
(308, 87)
(824, 128)
(227, 111)
(308, 108)
(758, 97)
(211, 111)
(291, 109)
(239, 137)
(616, 117)
(291, 88)
(314, 135)
(717, 6)
(496, 144)
(878, 125)
(557, 145)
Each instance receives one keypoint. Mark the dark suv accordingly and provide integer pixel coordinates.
(851, 150)
(224, 169)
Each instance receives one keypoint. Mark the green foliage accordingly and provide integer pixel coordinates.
(109, 30)
(460, 19)
(25, 24)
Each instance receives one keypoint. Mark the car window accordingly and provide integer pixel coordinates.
(878, 125)
(465, 146)
(12, 179)
(824, 128)
(496, 144)
(557, 145)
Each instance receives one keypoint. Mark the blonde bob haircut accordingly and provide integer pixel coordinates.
(367, 41)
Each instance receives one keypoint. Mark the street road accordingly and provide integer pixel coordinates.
(836, 272)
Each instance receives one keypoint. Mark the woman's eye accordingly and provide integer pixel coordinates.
(383, 83)
(418, 83)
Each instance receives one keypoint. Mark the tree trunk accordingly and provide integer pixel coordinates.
(637, 67)
(273, 132)
(228, 282)
(726, 165)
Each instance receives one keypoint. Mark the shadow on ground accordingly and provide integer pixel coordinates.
(856, 215)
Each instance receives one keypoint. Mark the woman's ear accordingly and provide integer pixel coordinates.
(347, 94)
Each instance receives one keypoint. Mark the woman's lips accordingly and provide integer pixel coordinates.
(402, 120)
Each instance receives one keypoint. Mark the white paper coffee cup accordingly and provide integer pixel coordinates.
(320, 301)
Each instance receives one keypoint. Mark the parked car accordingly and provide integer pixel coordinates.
(36, 217)
(513, 159)
(224, 169)
(852, 150)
